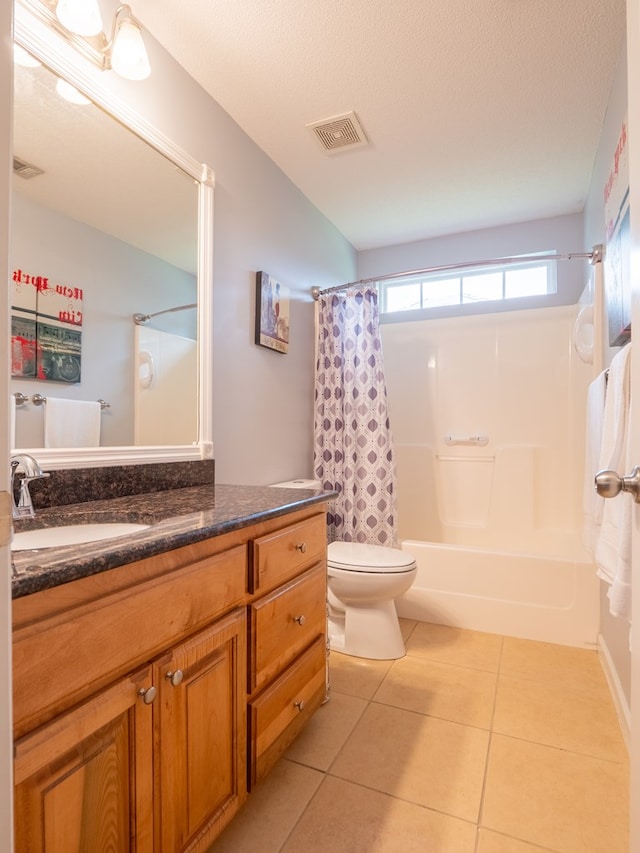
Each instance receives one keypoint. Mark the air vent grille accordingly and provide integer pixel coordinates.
(339, 133)
(25, 170)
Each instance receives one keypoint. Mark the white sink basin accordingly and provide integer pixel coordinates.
(71, 534)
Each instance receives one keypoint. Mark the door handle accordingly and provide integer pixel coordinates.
(610, 483)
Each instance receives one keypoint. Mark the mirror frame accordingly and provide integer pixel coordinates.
(32, 32)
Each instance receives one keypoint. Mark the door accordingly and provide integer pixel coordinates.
(201, 735)
(6, 97)
(633, 74)
(84, 781)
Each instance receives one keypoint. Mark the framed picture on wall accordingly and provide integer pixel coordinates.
(272, 313)
(46, 329)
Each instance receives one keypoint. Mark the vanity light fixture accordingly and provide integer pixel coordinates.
(81, 17)
(127, 51)
(70, 93)
(79, 23)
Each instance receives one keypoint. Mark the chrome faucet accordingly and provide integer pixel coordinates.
(32, 471)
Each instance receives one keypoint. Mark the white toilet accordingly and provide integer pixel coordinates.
(363, 582)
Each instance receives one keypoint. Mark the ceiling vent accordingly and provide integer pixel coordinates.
(339, 133)
(25, 170)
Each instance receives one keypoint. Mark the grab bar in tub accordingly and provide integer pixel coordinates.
(478, 440)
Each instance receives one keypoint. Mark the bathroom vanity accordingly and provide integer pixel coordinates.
(159, 676)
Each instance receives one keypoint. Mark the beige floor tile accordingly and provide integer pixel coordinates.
(454, 693)
(347, 818)
(492, 842)
(319, 743)
(356, 676)
(559, 716)
(271, 811)
(406, 627)
(557, 799)
(553, 664)
(457, 646)
(424, 760)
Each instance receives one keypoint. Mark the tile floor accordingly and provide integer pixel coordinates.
(472, 743)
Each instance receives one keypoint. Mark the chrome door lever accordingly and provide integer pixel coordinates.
(610, 483)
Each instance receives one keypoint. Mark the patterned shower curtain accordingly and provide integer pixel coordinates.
(353, 449)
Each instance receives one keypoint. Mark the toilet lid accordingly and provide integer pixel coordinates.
(359, 557)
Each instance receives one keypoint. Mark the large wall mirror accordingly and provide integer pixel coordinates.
(110, 222)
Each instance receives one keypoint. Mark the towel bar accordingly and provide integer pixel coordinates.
(38, 400)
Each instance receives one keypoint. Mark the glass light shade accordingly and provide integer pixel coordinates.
(24, 58)
(81, 17)
(128, 54)
(70, 93)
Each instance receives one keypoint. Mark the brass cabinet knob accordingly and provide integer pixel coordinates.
(175, 677)
(301, 619)
(299, 705)
(147, 694)
(302, 547)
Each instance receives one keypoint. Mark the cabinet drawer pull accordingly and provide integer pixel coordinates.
(175, 677)
(147, 695)
(302, 547)
(301, 619)
(299, 704)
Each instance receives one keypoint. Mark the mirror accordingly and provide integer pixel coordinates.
(109, 220)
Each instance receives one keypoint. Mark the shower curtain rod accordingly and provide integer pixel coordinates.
(594, 257)
(141, 319)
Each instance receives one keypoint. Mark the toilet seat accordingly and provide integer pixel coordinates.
(374, 559)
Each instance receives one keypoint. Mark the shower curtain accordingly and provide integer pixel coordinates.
(353, 446)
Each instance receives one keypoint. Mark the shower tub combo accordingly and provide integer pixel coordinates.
(488, 415)
(549, 598)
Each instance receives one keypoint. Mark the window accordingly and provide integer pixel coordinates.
(466, 286)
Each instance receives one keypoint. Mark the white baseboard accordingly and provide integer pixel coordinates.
(617, 693)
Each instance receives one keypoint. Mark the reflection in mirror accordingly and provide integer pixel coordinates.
(103, 227)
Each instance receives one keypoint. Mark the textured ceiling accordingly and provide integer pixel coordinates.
(478, 112)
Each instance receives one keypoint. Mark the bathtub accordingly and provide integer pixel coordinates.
(550, 598)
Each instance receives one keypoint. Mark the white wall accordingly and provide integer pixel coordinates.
(615, 632)
(562, 234)
(117, 281)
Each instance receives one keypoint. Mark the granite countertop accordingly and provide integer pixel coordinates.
(176, 517)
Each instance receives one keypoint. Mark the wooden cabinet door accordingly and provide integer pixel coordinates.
(201, 735)
(84, 782)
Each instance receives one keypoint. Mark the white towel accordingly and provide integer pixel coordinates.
(613, 549)
(619, 593)
(12, 422)
(71, 423)
(616, 411)
(592, 503)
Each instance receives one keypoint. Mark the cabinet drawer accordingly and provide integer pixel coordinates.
(283, 709)
(285, 622)
(287, 552)
(80, 651)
